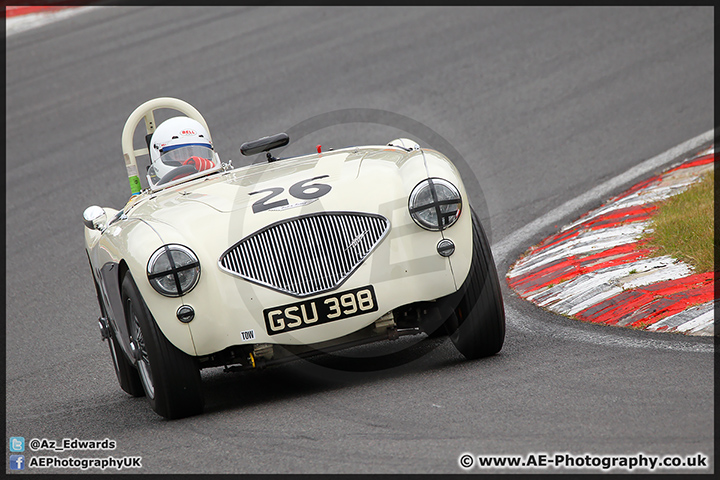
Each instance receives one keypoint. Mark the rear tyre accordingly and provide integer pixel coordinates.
(477, 326)
(170, 377)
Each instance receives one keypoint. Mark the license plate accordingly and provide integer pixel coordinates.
(317, 311)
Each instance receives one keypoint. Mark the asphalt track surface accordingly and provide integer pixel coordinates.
(542, 105)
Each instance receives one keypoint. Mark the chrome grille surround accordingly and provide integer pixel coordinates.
(306, 255)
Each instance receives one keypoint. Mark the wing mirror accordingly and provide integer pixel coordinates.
(95, 218)
(264, 145)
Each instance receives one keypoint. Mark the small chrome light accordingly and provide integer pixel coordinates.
(185, 314)
(435, 204)
(173, 270)
(95, 218)
(445, 247)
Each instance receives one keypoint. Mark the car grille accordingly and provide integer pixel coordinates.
(306, 255)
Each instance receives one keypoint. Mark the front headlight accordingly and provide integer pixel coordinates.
(435, 204)
(173, 270)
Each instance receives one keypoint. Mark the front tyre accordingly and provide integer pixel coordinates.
(477, 326)
(169, 376)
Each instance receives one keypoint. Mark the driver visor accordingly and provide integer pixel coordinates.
(176, 155)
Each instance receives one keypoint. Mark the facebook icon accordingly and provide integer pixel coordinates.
(17, 462)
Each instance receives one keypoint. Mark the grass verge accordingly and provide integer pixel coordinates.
(683, 226)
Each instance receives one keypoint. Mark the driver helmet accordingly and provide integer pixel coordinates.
(179, 144)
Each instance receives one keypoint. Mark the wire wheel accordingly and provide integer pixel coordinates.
(170, 377)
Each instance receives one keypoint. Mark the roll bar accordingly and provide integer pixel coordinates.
(146, 111)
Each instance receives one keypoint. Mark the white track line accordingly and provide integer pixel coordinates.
(529, 325)
(516, 239)
(22, 23)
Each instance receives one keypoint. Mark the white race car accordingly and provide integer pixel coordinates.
(214, 266)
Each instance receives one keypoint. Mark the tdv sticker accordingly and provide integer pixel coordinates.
(321, 310)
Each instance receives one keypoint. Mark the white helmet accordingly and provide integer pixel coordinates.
(182, 146)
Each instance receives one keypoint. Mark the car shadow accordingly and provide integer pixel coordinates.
(326, 372)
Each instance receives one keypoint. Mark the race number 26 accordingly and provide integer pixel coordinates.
(303, 190)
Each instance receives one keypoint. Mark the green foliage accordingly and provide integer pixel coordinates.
(684, 226)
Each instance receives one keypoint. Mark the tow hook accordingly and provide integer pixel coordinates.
(104, 328)
(392, 333)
